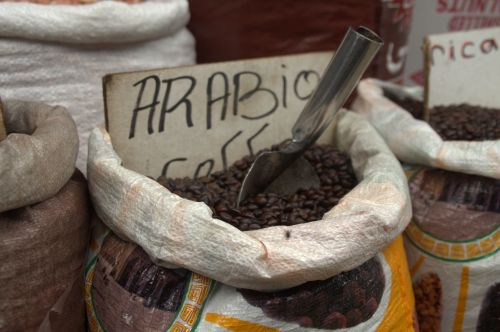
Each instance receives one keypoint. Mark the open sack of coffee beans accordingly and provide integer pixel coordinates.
(182, 257)
(57, 53)
(453, 240)
(44, 219)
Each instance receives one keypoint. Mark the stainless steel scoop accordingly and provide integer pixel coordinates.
(343, 73)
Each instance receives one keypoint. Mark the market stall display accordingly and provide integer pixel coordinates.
(44, 219)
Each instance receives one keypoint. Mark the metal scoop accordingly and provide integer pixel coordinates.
(284, 166)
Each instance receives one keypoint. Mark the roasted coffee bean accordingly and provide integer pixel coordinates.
(305, 321)
(369, 308)
(353, 317)
(335, 320)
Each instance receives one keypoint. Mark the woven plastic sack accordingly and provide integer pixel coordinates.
(453, 241)
(58, 54)
(415, 142)
(44, 220)
(125, 291)
(178, 233)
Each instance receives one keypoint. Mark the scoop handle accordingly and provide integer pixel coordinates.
(347, 66)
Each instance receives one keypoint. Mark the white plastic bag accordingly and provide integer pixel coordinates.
(57, 54)
(176, 232)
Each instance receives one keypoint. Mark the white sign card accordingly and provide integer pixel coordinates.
(463, 67)
(441, 16)
(194, 120)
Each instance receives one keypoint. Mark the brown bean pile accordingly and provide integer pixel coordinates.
(344, 300)
(466, 122)
(428, 297)
(220, 190)
(457, 122)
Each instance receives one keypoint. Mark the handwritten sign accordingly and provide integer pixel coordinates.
(194, 120)
(463, 67)
(3, 131)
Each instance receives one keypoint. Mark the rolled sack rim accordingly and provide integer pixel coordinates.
(38, 158)
(365, 221)
(471, 157)
(109, 22)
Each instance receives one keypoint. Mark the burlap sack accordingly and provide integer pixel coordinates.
(176, 232)
(43, 243)
(36, 131)
(58, 54)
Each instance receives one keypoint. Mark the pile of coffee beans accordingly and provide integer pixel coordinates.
(220, 191)
(457, 122)
(466, 122)
(344, 300)
(428, 301)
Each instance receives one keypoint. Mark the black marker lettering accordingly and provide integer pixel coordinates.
(211, 100)
(224, 147)
(151, 106)
(237, 99)
(167, 164)
(304, 74)
(249, 141)
(183, 100)
(210, 163)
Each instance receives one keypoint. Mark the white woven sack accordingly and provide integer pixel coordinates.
(415, 142)
(38, 157)
(176, 232)
(57, 54)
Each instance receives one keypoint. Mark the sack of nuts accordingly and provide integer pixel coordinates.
(58, 53)
(453, 240)
(181, 257)
(44, 219)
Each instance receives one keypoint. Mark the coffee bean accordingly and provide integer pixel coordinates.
(353, 317)
(369, 308)
(305, 321)
(335, 320)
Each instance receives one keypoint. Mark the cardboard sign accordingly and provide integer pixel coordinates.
(3, 131)
(168, 121)
(463, 67)
(441, 16)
